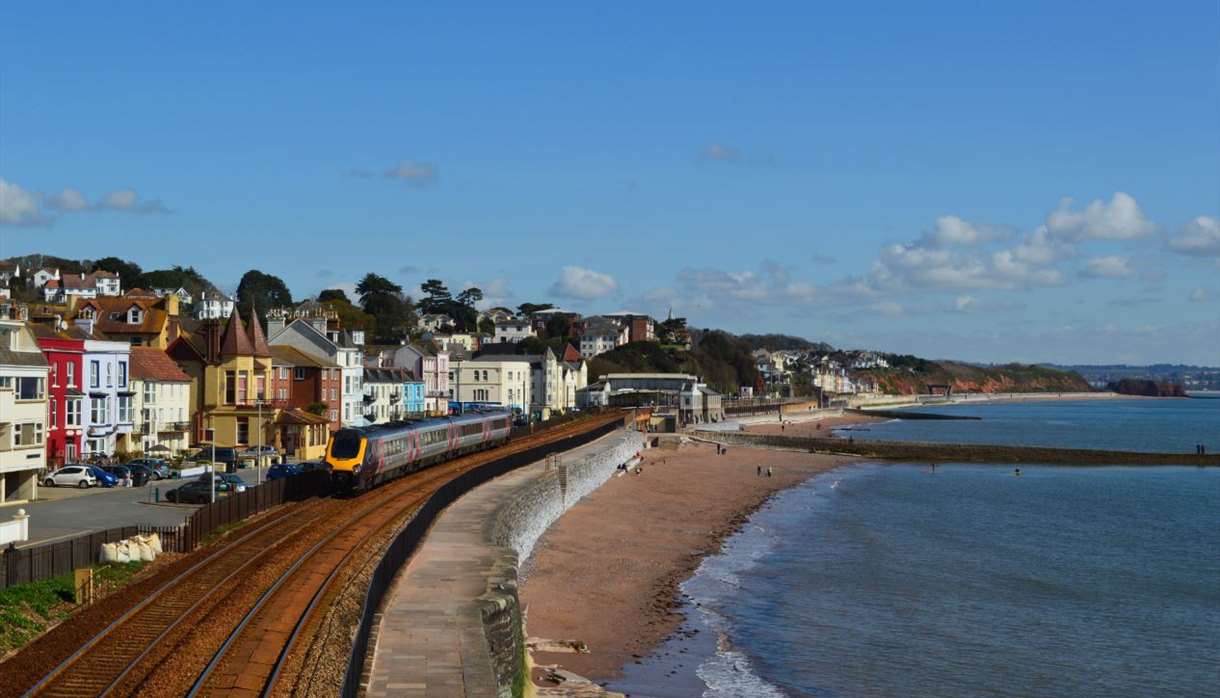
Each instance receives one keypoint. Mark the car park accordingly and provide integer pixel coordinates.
(71, 476)
(104, 478)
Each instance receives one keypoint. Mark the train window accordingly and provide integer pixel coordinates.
(345, 445)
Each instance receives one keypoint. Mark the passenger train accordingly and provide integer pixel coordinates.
(363, 457)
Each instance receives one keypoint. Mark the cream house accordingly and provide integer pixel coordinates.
(163, 402)
(23, 407)
(495, 379)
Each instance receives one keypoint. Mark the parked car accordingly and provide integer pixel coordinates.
(104, 478)
(224, 456)
(139, 478)
(311, 465)
(159, 468)
(193, 492)
(71, 476)
(280, 470)
(141, 474)
(225, 482)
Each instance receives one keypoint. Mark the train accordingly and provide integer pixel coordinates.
(363, 457)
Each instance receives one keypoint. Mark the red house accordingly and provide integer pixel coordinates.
(64, 350)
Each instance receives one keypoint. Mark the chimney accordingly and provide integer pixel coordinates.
(171, 304)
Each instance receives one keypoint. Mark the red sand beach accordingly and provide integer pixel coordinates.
(607, 572)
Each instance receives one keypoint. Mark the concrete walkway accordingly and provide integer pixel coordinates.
(430, 640)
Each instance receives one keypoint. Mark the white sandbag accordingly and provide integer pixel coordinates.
(124, 552)
(110, 552)
(154, 542)
(144, 551)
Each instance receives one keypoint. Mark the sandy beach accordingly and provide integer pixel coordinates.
(820, 426)
(607, 572)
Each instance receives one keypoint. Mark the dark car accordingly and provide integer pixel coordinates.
(309, 466)
(122, 472)
(194, 492)
(223, 456)
(280, 470)
(225, 482)
(104, 478)
(159, 468)
(141, 474)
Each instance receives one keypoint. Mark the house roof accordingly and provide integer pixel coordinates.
(235, 341)
(152, 319)
(292, 356)
(521, 358)
(299, 416)
(387, 375)
(150, 363)
(257, 338)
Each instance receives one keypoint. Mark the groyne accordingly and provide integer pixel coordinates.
(906, 414)
(962, 453)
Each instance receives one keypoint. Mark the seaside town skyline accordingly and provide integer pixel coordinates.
(811, 186)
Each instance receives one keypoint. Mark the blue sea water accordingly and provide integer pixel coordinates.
(894, 580)
(1120, 424)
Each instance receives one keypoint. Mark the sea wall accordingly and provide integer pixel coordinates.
(965, 453)
(525, 513)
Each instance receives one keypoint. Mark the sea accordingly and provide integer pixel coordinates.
(970, 580)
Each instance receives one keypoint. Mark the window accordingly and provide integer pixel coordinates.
(71, 374)
(54, 375)
(124, 408)
(53, 407)
(134, 316)
(109, 374)
(243, 430)
(243, 387)
(95, 374)
(150, 393)
(299, 373)
(30, 388)
(260, 387)
(122, 374)
(230, 387)
(28, 434)
(334, 393)
(284, 372)
(6, 382)
(72, 414)
(334, 414)
(97, 410)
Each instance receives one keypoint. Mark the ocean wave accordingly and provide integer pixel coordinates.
(730, 674)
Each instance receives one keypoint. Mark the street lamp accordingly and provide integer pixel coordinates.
(258, 454)
(212, 433)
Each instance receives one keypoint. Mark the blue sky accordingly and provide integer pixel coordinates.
(889, 176)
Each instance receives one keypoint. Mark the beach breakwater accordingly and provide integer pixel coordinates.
(961, 453)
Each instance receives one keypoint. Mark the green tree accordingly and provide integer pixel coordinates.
(531, 308)
(129, 272)
(318, 408)
(487, 326)
(470, 296)
(383, 299)
(261, 292)
(436, 296)
(333, 294)
(558, 326)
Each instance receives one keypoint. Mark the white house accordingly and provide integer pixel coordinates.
(554, 382)
(184, 296)
(7, 271)
(213, 307)
(601, 335)
(162, 403)
(496, 379)
(109, 416)
(23, 407)
(434, 322)
(431, 367)
(513, 331)
(42, 276)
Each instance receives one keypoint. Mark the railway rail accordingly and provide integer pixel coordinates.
(251, 601)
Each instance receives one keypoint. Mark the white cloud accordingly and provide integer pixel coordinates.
(952, 230)
(128, 201)
(1109, 267)
(582, 283)
(721, 153)
(1120, 219)
(18, 206)
(1200, 295)
(68, 200)
(1198, 237)
(420, 174)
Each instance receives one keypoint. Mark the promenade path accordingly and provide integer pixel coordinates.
(430, 640)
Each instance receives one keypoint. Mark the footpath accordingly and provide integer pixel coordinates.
(452, 624)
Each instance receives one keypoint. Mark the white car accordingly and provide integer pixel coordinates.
(71, 476)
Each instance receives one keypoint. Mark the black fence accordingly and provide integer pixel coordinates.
(50, 560)
(407, 541)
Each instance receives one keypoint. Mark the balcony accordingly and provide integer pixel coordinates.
(395, 398)
(172, 427)
(369, 399)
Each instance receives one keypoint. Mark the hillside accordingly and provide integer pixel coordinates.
(913, 376)
(130, 272)
(721, 359)
(784, 342)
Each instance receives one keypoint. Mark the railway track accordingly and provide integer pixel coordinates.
(278, 574)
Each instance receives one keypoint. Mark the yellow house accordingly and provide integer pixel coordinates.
(139, 318)
(230, 370)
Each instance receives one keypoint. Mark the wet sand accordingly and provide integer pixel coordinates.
(607, 572)
(819, 427)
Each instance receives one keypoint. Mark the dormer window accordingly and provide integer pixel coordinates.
(135, 316)
(87, 314)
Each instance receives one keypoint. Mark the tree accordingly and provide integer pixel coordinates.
(261, 292)
(383, 299)
(436, 296)
(318, 408)
(333, 294)
(531, 308)
(129, 272)
(470, 296)
(487, 326)
(558, 326)
(178, 277)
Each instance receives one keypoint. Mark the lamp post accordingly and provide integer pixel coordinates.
(258, 454)
(212, 491)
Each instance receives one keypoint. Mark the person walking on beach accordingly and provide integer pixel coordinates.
(760, 471)
(768, 471)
